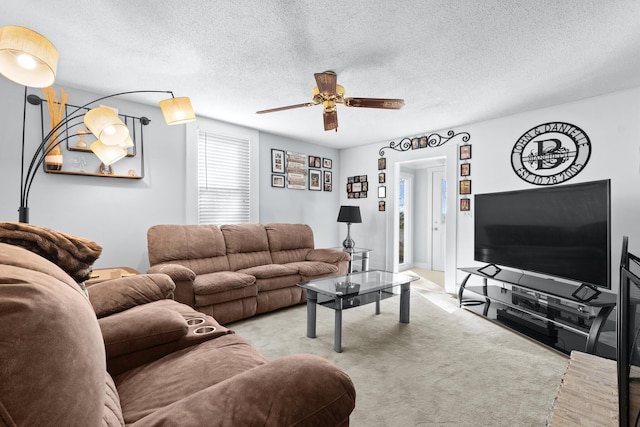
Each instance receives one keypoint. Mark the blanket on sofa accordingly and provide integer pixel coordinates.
(75, 255)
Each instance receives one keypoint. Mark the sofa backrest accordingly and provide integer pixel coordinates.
(52, 352)
(247, 245)
(289, 242)
(200, 248)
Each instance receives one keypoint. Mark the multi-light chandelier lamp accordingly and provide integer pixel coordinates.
(29, 59)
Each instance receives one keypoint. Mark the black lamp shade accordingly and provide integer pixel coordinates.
(349, 214)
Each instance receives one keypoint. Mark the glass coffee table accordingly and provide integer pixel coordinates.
(353, 290)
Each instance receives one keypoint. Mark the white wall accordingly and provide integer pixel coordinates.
(612, 124)
(116, 213)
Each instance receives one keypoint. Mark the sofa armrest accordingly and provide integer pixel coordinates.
(117, 295)
(331, 256)
(183, 278)
(293, 390)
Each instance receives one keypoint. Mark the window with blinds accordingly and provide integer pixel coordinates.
(224, 179)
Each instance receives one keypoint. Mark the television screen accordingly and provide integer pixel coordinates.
(562, 231)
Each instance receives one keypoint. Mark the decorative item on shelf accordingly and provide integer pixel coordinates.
(53, 158)
(105, 169)
(81, 144)
(349, 214)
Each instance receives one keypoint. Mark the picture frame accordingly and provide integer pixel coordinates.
(465, 204)
(465, 169)
(381, 206)
(382, 192)
(356, 187)
(382, 163)
(277, 161)
(423, 142)
(465, 186)
(382, 178)
(465, 152)
(327, 182)
(315, 179)
(415, 143)
(327, 163)
(277, 181)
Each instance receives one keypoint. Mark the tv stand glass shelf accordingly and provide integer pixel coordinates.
(540, 308)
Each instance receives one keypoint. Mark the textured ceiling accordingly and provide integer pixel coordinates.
(453, 61)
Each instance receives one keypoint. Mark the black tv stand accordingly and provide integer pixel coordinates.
(546, 310)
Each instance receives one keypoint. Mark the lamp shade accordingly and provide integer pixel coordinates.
(108, 154)
(27, 57)
(106, 126)
(350, 214)
(177, 110)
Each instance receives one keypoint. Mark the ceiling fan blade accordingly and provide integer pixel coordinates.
(391, 104)
(330, 120)
(326, 82)
(288, 107)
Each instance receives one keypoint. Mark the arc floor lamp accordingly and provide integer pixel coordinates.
(29, 59)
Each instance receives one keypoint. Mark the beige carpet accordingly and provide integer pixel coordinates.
(448, 367)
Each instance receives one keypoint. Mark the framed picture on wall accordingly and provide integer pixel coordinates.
(327, 163)
(327, 181)
(382, 192)
(277, 161)
(465, 186)
(315, 179)
(277, 181)
(381, 205)
(465, 204)
(465, 169)
(382, 163)
(465, 152)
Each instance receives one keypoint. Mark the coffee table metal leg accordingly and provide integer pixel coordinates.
(337, 331)
(312, 299)
(378, 298)
(405, 300)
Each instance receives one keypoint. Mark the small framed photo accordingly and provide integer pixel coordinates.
(381, 205)
(381, 178)
(356, 187)
(465, 169)
(382, 192)
(423, 142)
(327, 163)
(277, 161)
(465, 152)
(465, 186)
(315, 179)
(382, 163)
(415, 143)
(277, 181)
(465, 204)
(328, 181)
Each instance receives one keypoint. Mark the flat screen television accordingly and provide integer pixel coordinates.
(562, 231)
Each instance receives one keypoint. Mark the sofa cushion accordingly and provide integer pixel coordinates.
(314, 268)
(141, 327)
(153, 386)
(121, 294)
(289, 242)
(269, 271)
(247, 245)
(201, 247)
(221, 281)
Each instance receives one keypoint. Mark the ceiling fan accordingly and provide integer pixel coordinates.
(329, 93)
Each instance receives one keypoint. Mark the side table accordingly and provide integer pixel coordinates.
(357, 253)
(103, 274)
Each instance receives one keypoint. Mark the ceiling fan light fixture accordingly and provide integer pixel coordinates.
(177, 110)
(27, 57)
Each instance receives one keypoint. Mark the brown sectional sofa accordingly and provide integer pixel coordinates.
(235, 271)
(123, 353)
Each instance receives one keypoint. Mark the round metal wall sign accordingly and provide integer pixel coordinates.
(550, 153)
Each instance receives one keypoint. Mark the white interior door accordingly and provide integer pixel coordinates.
(439, 218)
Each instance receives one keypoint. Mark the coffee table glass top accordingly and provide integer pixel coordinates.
(357, 283)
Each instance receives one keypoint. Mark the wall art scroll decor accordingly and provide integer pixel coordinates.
(357, 187)
(550, 153)
(296, 170)
(431, 141)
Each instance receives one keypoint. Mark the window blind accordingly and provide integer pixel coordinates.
(224, 179)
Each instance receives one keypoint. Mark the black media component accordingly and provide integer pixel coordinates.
(562, 231)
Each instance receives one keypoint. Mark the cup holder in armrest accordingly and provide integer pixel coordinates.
(195, 321)
(204, 330)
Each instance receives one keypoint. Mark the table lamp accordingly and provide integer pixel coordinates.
(349, 214)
